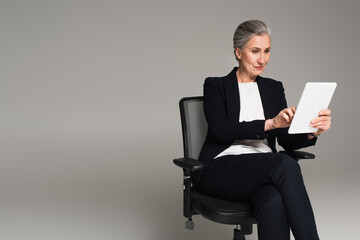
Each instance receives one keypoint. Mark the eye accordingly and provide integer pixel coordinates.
(254, 51)
(267, 51)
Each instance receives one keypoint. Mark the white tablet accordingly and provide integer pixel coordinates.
(315, 97)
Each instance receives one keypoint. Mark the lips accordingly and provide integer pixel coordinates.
(259, 67)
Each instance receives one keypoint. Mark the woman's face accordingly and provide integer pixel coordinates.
(255, 55)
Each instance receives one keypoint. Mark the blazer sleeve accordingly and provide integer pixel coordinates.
(291, 141)
(217, 116)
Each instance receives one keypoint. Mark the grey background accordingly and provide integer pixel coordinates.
(89, 115)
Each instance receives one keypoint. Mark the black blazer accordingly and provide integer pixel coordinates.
(222, 109)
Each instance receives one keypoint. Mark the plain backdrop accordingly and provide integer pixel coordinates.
(89, 119)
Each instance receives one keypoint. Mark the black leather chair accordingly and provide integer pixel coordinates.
(194, 128)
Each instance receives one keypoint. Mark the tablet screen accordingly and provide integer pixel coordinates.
(315, 97)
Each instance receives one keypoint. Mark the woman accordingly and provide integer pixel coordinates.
(245, 114)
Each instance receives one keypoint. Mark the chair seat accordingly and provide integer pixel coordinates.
(221, 211)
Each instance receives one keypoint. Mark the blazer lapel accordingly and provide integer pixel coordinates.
(266, 97)
(232, 96)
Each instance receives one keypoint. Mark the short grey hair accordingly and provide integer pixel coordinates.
(247, 30)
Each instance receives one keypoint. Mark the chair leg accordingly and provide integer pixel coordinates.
(247, 229)
(238, 234)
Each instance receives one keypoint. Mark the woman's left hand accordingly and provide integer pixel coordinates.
(322, 122)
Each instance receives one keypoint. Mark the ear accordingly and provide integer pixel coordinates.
(237, 53)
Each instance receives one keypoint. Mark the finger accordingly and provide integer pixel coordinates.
(321, 125)
(285, 116)
(322, 122)
(322, 130)
(321, 119)
(325, 112)
(293, 110)
(290, 113)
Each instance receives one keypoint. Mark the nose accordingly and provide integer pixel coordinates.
(261, 59)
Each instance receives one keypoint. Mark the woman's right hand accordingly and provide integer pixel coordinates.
(282, 120)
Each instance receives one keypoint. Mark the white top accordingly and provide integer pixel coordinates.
(250, 109)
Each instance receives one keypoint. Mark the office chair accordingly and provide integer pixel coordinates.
(194, 130)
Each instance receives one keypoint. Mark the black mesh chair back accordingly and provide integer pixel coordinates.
(194, 125)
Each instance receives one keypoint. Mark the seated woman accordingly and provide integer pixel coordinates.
(246, 113)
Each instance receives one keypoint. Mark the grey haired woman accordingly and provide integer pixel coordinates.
(246, 114)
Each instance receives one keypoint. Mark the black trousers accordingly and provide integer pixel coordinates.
(274, 185)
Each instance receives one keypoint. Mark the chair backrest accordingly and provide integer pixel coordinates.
(194, 125)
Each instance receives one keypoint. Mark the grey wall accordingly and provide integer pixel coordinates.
(89, 116)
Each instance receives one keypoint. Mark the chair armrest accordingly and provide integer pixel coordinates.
(299, 154)
(189, 164)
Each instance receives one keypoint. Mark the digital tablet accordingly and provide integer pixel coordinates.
(315, 97)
